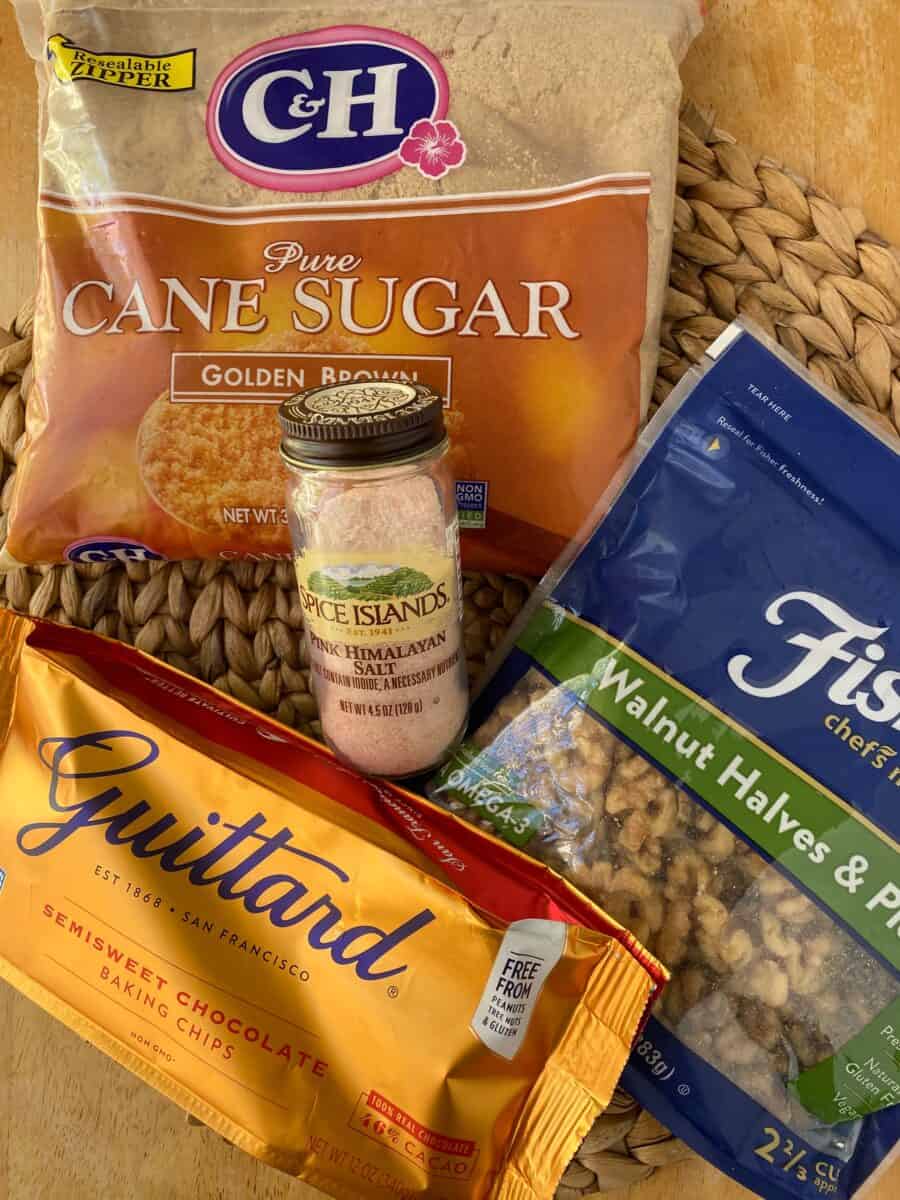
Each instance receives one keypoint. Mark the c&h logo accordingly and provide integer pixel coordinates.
(332, 109)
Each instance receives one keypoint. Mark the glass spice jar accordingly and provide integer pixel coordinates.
(372, 510)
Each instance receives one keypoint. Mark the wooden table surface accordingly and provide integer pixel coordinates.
(810, 81)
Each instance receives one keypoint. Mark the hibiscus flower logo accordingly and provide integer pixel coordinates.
(433, 148)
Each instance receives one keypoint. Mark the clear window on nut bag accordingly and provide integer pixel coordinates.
(697, 721)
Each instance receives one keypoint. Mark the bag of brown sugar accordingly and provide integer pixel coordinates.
(242, 200)
(342, 979)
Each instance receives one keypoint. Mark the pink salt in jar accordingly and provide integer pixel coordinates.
(372, 510)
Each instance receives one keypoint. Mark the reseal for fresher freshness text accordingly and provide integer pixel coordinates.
(698, 722)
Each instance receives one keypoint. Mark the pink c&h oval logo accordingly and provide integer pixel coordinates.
(333, 109)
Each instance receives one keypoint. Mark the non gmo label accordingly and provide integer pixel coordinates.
(528, 953)
(471, 502)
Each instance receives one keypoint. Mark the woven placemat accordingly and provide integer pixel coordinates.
(751, 238)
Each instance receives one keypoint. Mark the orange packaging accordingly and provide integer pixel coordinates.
(345, 981)
(238, 203)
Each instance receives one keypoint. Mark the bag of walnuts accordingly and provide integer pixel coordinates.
(696, 721)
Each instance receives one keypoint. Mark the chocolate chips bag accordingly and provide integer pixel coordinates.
(342, 979)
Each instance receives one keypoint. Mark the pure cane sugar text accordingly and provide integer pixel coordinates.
(372, 509)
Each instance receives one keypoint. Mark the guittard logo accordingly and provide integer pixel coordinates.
(228, 858)
(331, 109)
(878, 700)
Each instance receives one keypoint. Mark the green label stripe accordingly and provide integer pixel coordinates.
(490, 792)
(826, 847)
(862, 1078)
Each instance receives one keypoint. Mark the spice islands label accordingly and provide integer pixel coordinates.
(400, 597)
(383, 631)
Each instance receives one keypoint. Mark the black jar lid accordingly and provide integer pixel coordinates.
(360, 424)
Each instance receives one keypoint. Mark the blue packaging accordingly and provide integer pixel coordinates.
(697, 720)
